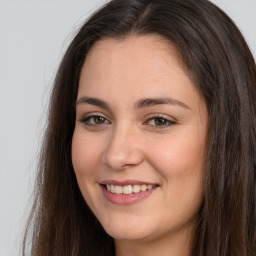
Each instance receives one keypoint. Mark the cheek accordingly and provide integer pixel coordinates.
(179, 160)
(179, 163)
(179, 154)
(86, 159)
(85, 154)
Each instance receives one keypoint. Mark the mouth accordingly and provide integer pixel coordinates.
(128, 189)
(127, 192)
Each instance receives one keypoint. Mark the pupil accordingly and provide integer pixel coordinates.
(160, 121)
(98, 119)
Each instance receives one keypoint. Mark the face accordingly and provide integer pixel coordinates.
(140, 133)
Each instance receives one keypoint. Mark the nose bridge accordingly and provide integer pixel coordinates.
(123, 147)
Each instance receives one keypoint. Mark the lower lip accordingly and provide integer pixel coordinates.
(123, 199)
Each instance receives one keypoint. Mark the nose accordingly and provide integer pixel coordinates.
(124, 149)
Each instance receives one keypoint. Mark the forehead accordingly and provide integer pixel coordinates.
(134, 48)
(121, 72)
(135, 59)
(143, 42)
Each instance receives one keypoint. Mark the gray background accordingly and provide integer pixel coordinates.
(33, 37)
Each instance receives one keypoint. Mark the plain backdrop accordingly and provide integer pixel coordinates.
(33, 37)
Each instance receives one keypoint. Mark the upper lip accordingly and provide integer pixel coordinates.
(126, 182)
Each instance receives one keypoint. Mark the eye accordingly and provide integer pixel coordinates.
(94, 120)
(160, 122)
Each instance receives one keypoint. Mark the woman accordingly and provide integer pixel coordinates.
(150, 145)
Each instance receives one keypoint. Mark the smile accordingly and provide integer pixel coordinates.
(128, 189)
(127, 192)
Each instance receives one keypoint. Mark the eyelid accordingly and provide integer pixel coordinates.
(164, 116)
(94, 114)
(171, 121)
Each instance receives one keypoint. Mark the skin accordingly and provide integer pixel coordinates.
(129, 142)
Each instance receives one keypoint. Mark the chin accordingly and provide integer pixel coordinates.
(128, 231)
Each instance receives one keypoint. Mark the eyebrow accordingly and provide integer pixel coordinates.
(148, 102)
(142, 103)
(93, 101)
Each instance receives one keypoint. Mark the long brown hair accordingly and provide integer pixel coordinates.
(220, 63)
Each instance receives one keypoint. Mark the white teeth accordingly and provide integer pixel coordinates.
(128, 189)
(136, 188)
(118, 190)
(143, 187)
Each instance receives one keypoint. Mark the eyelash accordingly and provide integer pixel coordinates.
(165, 121)
(86, 120)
